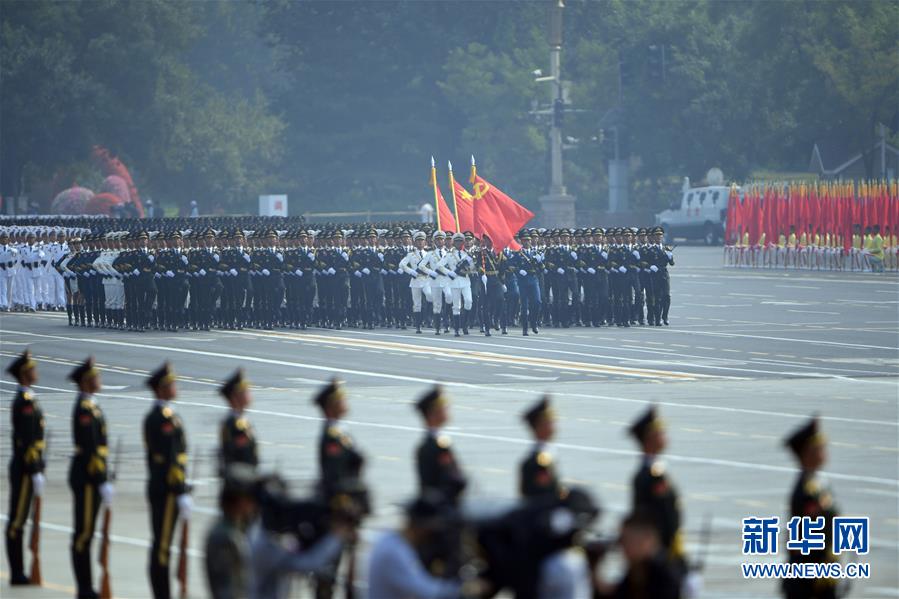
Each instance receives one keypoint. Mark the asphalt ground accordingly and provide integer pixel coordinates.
(748, 356)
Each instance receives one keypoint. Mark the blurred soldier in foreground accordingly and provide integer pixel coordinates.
(437, 467)
(537, 476)
(649, 573)
(87, 473)
(811, 498)
(238, 442)
(228, 571)
(167, 489)
(26, 467)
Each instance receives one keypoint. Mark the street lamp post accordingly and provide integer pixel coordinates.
(557, 207)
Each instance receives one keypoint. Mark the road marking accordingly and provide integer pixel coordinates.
(792, 340)
(524, 377)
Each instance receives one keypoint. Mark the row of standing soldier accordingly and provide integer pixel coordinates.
(652, 537)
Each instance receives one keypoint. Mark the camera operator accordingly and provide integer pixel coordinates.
(650, 574)
(227, 545)
(294, 537)
(394, 567)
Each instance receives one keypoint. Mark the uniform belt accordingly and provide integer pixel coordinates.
(491, 273)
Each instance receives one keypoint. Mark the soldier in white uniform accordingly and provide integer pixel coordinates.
(56, 249)
(415, 265)
(440, 284)
(32, 255)
(456, 265)
(113, 288)
(9, 258)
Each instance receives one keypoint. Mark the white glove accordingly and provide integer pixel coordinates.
(622, 269)
(185, 504)
(484, 280)
(157, 276)
(298, 272)
(216, 256)
(246, 257)
(169, 274)
(107, 491)
(135, 272)
(38, 481)
(345, 256)
(384, 272)
(233, 272)
(505, 289)
(654, 268)
(184, 258)
(253, 272)
(669, 254)
(561, 271)
(539, 257)
(380, 255)
(151, 257)
(331, 271)
(605, 255)
(365, 271)
(87, 274)
(280, 256)
(358, 274)
(452, 275)
(591, 270)
(266, 272)
(692, 585)
(310, 256)
(219, 273)
(636, 254)
(574, 255)
(202, 272)
(523, 273)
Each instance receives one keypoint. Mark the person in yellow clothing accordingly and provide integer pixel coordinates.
(792, 248)
(856, 249)
(874, 249)
(781, 250)
(889, 249)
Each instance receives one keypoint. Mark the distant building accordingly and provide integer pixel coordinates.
(832, 162)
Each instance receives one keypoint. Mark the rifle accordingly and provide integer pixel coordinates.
(105, 589)
(182, 554)
(34, 543)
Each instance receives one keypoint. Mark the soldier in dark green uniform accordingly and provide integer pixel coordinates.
(87, 471)
(653, 492)
(167, 489)
(26, 468)
(228, 563)
(811, 498)
(340, 464)
(537, 474)
(438, 469)
(238, 442)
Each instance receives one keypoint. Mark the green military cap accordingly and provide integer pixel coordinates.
(333, 390)
(806, 435)
(21, 364)
(541, 409)
(237, 382)
(647, 422)
(429, 400)
(85, 370)
(161, 376)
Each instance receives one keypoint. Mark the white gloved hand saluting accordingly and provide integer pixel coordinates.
(185, 505)
(38, 481)
(107, 492)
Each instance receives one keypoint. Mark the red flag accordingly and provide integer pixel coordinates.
(464, 207)
(731, 223)
(445, 220)
(498, 215)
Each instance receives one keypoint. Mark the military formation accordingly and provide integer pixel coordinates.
(128, 276)
(539, 548)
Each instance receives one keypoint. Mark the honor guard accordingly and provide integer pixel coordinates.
(167, 489)
(238, 442)
(87, 472)
(653, 493)
(26, 468)
(438, 469)
(811, 498)
(537, 474)
(414, 264)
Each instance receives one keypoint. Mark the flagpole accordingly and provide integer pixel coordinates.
(453, 188)
(434, 184)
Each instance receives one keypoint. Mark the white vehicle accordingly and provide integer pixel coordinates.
(699, 213)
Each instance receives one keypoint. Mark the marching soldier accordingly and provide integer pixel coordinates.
(537, 474)
(490, 266)
(87, 472)
(456, 265)
(525, 263)
(26, 468)
(238, 442)
(415, 266)
(813, 499)
(653, 492)
(167, 490)
(437, 467)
